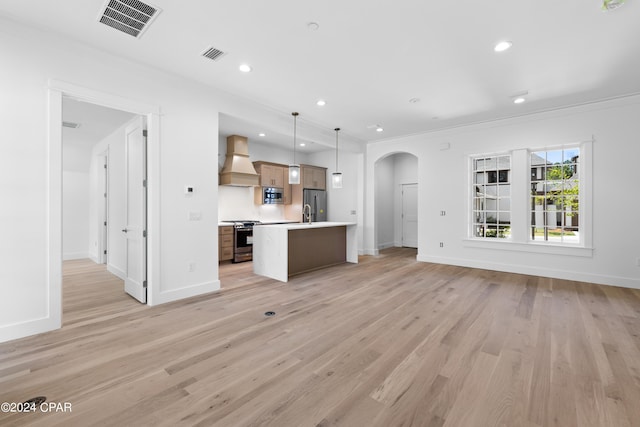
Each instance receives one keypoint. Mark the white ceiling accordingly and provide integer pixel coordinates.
(369, 58)
(96, 122)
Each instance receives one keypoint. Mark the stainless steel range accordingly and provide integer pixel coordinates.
(243, 240)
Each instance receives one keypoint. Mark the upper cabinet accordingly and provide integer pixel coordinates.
(314, 177)
(273, 175)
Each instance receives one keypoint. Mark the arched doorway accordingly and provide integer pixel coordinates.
(396, 201)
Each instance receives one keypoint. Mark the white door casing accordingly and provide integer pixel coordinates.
(136, 212)
(104, 210)
(410, 215)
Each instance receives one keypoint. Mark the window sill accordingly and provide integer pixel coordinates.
(539, 248)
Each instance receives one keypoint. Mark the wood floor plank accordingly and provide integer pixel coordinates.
(386, 342)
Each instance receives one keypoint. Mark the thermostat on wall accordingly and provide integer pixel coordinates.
(188, 190)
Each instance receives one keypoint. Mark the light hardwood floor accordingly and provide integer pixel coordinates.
(387, 342)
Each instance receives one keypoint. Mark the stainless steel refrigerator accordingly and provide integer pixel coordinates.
(317, 199)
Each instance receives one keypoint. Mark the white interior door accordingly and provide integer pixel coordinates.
(410, 215)
(135, 283)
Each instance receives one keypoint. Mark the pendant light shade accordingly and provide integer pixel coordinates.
(294, 168)
(336, 177)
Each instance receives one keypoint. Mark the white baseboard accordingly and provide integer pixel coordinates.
(625, 282)
(29, 327)
(186, 292)
(74, 255)
(115, 270)
(385, 245)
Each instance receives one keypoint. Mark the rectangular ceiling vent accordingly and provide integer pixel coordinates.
(129, 16)
(71, 125)
(213, 53)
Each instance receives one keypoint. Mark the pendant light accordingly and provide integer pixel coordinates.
(336, 177)
(294, 168)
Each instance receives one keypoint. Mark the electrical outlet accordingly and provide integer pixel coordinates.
(353, 212)
(192, 266)
(195, 216)
(442, 244)
(443, 213)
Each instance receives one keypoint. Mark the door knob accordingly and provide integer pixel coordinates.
(125, 230)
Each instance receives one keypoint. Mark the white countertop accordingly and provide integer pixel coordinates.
(265, 222)
(298, 225)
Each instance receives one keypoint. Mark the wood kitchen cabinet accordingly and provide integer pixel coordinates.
(314, 177)
(273, 175)
(225, 242)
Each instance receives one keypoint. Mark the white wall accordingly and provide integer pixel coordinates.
(443, 185)
(384, 211)
(75, 218)
(75, 196)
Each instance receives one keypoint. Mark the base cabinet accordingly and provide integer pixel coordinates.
(225, 243)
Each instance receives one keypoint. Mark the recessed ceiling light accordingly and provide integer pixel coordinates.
(313, 26)
(611, 4)
(502, 46)
(302, 144)
(244, 68)
(519, 100)
(379, 129)
(321, 103)
(262, 134)
(414, 100)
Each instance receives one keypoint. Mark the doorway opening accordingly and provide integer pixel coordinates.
(94, 205)
(68, 242)
(396, 201)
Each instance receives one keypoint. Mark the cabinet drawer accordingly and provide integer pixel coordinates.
(226, 254)
(226, 240)
(225, 230)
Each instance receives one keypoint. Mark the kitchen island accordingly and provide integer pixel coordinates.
(284, 250)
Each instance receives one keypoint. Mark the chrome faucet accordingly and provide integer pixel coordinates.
(305, 214)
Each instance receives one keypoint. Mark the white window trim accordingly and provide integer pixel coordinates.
(521, 209)
(470, 195)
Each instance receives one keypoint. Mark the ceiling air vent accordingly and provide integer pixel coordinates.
(71, 125)
(213, 53)
(129, 16)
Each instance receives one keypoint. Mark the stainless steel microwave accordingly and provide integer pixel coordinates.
(272, 195)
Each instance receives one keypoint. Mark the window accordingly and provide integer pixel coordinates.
(491, 193)
(555, 198)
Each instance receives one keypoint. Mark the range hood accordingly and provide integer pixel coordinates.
(238, 169)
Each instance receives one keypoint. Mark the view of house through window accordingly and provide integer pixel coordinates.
(555, 195)
(491, 189)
